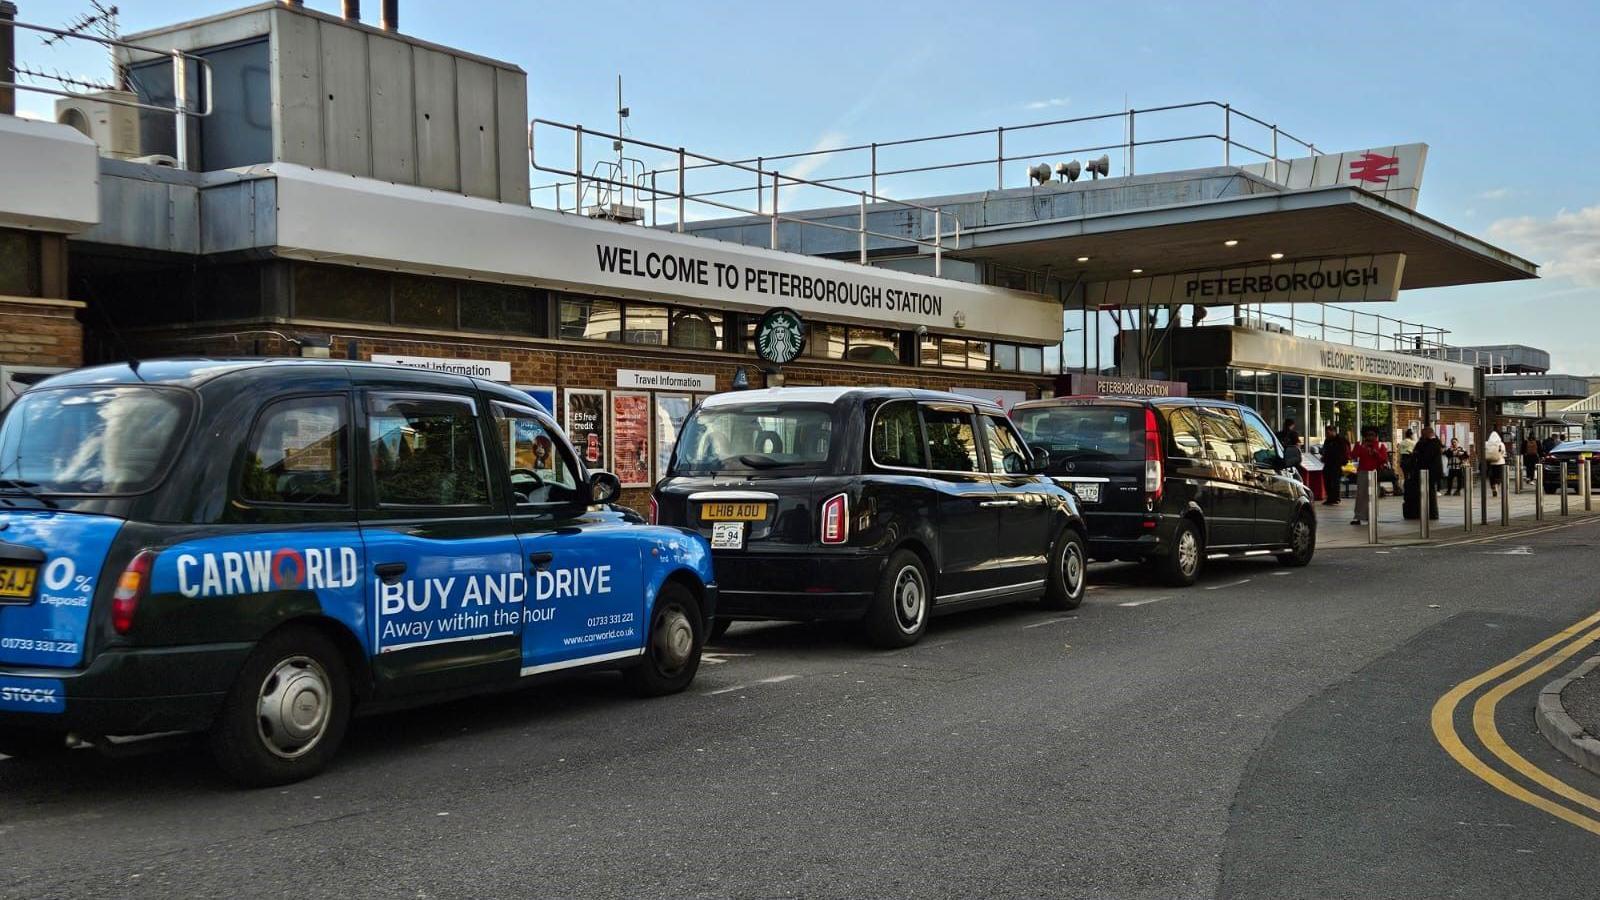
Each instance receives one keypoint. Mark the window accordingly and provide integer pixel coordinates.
(100, 440)
(426, 451)
(953, 353)
(1085, 432)
(297, 453)
(696, 329)
(978, 355)
(1005, 357)
(540, 470)
(340, 292)
(952, 445)
(1031, 359)
(790, 438)
(1186, 433)
(645, 324)
(874, 345)
(1007, 452)
(19, 264)
(427, 302)
(928, 351)
(502, 308)
(1223, 434)
(1259, 442)
(825, 341)
(897, 436)
(590, 319)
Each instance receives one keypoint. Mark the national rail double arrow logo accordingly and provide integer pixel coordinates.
(1374, 168)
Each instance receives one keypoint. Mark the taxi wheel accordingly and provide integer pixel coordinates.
(286, 714)
(1182, 566)
(1302, 541)
(1068, 579)
(672, 648)
(899, 612)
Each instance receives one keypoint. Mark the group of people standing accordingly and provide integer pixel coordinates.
(1445, 467)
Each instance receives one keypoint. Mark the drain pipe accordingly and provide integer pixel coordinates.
(390, 15)
(8, 55)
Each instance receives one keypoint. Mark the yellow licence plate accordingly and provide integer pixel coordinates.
(733, 512)
(16, 582)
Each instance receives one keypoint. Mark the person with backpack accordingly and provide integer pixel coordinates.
(1530, 457)
(1494, 459)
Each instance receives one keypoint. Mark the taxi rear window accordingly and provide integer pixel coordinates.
(1085, 432)
(91, 441)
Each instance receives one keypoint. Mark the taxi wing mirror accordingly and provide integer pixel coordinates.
(604, 487)
(1039, 459)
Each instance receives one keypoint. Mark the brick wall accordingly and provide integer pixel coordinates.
(40, 332)
(561, 364)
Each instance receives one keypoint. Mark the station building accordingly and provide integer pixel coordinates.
(275, 180)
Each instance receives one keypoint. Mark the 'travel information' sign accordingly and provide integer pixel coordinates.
(488, 369)
(637, 379)
(1350, 279)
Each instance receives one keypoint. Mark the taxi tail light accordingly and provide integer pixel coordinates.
(655, 511)
(1153, 476)
(836, 519)
(131, 588)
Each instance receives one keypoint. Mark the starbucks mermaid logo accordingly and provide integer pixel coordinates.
(780, 336)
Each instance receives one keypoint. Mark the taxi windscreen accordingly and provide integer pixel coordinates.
(90, 440)
(1084, 432)
(791, 438)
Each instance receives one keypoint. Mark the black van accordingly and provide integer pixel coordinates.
(1174, 481)
(883, 505)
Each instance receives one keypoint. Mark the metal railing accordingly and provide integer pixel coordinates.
(1367, 330)
(609, 178)
(181, 109)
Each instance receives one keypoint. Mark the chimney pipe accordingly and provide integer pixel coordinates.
(352, 10)
(391, 15)
(8, 55)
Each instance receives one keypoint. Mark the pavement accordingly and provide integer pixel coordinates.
(1569, 714)
(1361, 727)
(1334, 528)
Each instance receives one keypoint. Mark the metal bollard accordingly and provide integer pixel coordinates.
(1584, 475)
(1563, 488)
(1423, 506)
(1505, 501)
(1538, 493)
(1466, 498)
(1372, 504)
(1515, 470)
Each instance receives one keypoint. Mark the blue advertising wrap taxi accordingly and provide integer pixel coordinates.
(254, 549)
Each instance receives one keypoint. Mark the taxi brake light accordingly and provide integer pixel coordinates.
(1153, 479)
(131, 588)
(836, 519)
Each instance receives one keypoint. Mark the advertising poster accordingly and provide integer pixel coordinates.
(671, 411)
(586, 425)
(544, 395)
(630, 438)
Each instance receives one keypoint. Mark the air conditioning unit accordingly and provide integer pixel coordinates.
(114, 127)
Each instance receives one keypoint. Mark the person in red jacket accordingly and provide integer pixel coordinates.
(1370, 456)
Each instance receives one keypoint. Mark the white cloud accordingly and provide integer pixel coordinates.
(1566, 245)
(1499, 193)
(830, 140)
(1051, 103)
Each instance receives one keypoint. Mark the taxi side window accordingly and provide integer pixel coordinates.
(298, 453)
(1007, 453)
(540, 469)
(1263, 447)
(425, 450)
(952, 443)
(897, 436)
(1224, 434)
(1186, 432)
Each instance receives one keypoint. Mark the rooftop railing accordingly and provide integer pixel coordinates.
(1359, 328)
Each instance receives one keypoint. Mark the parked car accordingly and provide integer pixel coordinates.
(882, 505)
(256, 549)
(1573, 453)
(1174, 481)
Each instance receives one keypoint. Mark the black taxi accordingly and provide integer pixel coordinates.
(879, 505)
(254, 549)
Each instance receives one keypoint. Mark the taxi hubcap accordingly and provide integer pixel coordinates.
(292, 711)
(674, 638)
(910, 599)
(1188, 552)
(1072, 569)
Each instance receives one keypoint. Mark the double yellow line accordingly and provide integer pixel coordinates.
(1575, 637)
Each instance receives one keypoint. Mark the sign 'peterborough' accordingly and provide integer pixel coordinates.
(780, 336)
(1348, 279)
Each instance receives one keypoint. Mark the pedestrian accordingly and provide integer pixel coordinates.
(1494, 459)
(1530, 457)
(1427, 455)
(1408, 442)
(1370, 456)
(1550, 442)
(1456, 467)
(1289, 437)
(1335, 453)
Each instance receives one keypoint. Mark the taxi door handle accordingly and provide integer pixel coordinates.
(389, 572)
(540, 560)
(989, 503)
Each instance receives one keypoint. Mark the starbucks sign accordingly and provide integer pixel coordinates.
(780, 336)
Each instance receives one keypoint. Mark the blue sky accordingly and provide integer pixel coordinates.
(1503, 94)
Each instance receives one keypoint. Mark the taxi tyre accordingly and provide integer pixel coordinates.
(900, 608)
(1300, 553)
(1171, 567)
(1068, 579)
(657, 674)
(238, 739)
